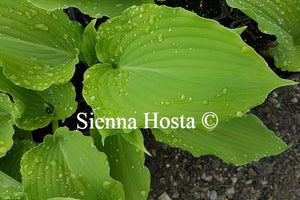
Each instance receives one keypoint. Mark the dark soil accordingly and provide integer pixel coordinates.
(177, 174)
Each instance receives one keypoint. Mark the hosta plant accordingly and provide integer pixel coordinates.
(146, 60)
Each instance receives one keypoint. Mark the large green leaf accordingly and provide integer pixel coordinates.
(169, 60)
(8, 113)
(94, 8)
(68, 165)
(127, 165)
(10, 188)
(38, 108)
(38, 48)
(238, 141)
(62, 198)
(89, 42)
(280, 18)
(10, 163)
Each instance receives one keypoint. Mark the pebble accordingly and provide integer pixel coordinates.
(263, 182)
(164, 196)
(234, 180)
(176, 194)
(213, 195)
(267, 169)
(209, 178)
(216, 163)
(294, 100)
(273, 100)
(277, 105)
(230, 191)
(252, 172)
(203, 176)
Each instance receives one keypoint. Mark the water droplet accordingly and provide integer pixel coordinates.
(205, 102)
(160, 37)
(26, 82)
(143, 193)
(28, 15)
(152, 19)
(53, 162)
(239, 113)
(106, 185)
(182, 97)
(167, 103)
(92, 98)
(225, 90)
(33, 58)
(42, 27)
(3, 149)
(81, 193)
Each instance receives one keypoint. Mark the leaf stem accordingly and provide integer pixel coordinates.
(55, 125)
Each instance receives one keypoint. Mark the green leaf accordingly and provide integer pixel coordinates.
(6, 135)
(10, 188)
(8, 113)
(127, 165)
(239, 30)
(39, 108)
(38, 48)
(136, 138)
(22, 134)
(10, 164)
(62, 198)
(94, 8)
(238, 141)
(68, 165)
(89, 43)
(280, 18)
(171, 61)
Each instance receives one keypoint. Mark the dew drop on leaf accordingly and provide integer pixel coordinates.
(42, 27)
(143, 193)
(225, 90)
(160, 37)
(205, 102)
(239, 113)
(106, 185)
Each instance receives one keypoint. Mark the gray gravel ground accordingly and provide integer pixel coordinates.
(178, 175)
